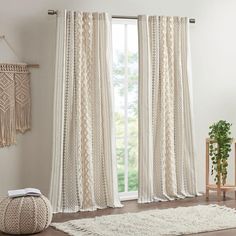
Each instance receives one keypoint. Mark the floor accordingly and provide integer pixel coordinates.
(133, 206)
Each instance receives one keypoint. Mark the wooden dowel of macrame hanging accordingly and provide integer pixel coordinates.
(33, 65)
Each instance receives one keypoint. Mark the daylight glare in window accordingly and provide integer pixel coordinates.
(125, 81)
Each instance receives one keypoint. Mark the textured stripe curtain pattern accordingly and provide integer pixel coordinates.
(84, 167)
(166, 152)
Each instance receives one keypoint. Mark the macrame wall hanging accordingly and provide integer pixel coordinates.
(15, 98)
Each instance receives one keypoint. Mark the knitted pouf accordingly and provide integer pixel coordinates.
(24, 215)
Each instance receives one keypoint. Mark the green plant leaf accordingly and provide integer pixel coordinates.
(219, 151)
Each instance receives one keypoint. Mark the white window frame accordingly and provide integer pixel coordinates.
(126, 195)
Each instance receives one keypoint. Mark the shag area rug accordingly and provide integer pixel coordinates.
(173, 221)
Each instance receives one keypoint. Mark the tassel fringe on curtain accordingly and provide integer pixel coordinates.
(166, 152)
(84, 162)
(15, 102)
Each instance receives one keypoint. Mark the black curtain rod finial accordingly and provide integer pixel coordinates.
(192, 21)
(52, 12)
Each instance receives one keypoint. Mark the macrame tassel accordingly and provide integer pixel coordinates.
(23, 102)
(7, 109)
(7, 128)
(23, 118)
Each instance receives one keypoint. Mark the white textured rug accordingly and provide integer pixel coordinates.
(173, 221)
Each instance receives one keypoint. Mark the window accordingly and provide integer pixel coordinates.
(125, 80)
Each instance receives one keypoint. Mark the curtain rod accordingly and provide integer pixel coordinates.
(53, 12)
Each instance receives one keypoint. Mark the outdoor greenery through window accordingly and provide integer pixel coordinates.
(125, 81)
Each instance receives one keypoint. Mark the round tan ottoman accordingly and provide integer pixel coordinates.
(24, 215)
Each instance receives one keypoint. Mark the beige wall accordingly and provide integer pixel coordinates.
(32, 32)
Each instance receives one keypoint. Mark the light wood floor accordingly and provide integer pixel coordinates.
(133, 206)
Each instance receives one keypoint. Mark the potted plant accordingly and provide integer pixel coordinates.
(219, 150)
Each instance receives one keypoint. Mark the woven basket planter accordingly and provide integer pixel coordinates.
(25, 215)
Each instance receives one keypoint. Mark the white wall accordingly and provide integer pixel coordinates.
(32, 32)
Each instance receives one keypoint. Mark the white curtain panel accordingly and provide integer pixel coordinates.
(166, 152)
(84, 173)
